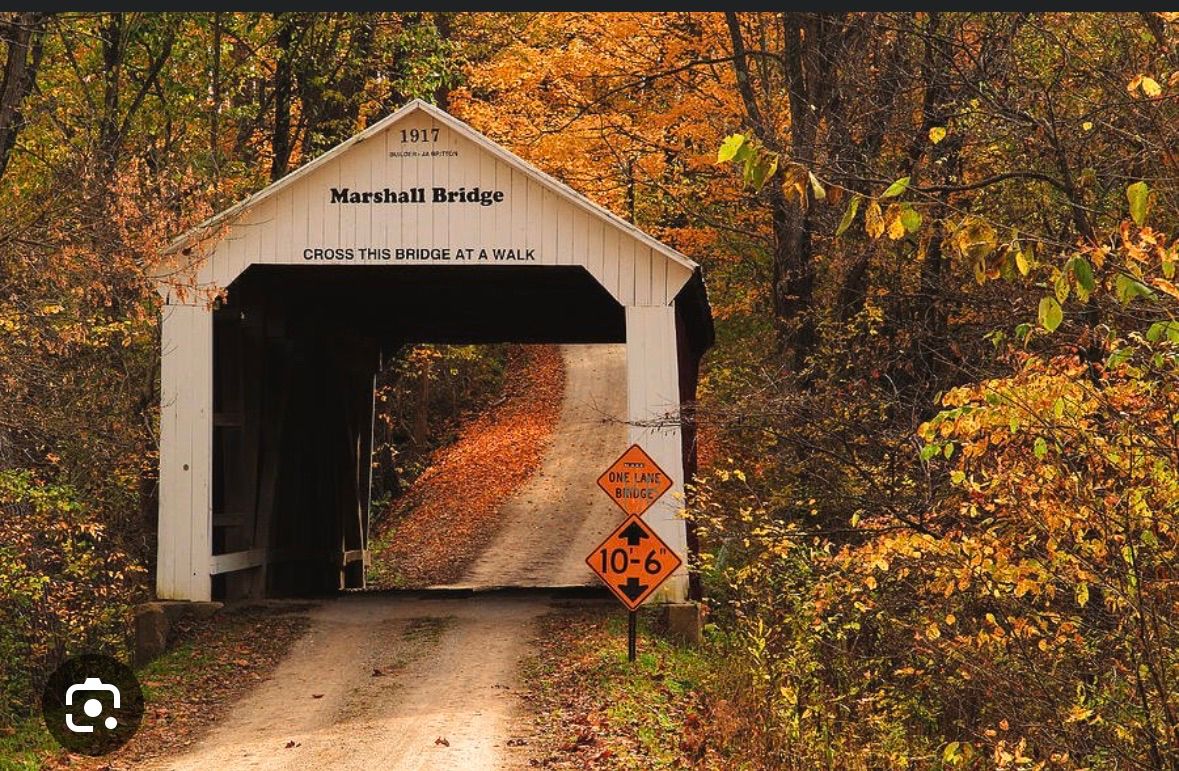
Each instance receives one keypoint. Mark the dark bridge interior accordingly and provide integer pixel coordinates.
(295, 352)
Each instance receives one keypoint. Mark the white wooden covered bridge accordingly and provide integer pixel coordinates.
(417, 230)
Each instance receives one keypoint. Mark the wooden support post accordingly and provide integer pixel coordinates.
(277, 370)
(653, 405)
(186, 453)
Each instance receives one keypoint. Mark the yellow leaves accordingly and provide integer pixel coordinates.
(933, 631)
(1138, 195)
(51, 309)
(899, 219)
(1025, 585)
(1148, 85)
(870, 582)
(874, 220)
(729, 148)
(881, 564)
(1077, 713)
(1021, 263)
(816, 187)
(896, 228)
(1166, 286)
(937, 134)
(974, 239)
(1082, 593)
(795, 181)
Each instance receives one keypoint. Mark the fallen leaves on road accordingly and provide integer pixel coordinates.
(448, 516)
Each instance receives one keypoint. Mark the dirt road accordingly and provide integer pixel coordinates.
(560, 515)
(395, 681)
(447, 695)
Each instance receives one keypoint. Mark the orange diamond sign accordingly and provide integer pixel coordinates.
(633, 562)
(634, 482)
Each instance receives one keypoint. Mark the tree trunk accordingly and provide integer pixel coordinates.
(280, 142)
(22, 36)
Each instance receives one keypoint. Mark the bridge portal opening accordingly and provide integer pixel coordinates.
(296, 351)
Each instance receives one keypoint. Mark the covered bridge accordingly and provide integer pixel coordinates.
(280, 310)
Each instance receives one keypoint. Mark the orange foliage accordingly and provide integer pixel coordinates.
(453, 504)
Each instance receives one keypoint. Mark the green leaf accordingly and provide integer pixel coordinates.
(1050, 314)
(1022, 330)
(762, 170)
(948, 450)
(1119, 356)
(929, 450)
(729, 147)
(896, 188)
(1127, 288)
(1084, 273)
(910, 218)
(1161, 329)
(1138, 194)
(849, 215)
(1040, 448)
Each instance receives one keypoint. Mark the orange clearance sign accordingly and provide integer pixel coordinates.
(633, 562)
(634, 482)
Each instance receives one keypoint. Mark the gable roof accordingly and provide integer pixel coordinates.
(417, 105)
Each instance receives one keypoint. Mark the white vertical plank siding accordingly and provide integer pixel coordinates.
(549, 253)
(519, 210)
(564, 219)
(595, 236)
(642, 263)
(186, 448)
(652, 397)
(626, 270)
(282, 236)
(348, 219)
(535, 224)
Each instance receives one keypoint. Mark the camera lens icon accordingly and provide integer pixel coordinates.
(92, 707)
(92, 704)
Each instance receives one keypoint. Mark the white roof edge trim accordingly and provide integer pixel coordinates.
(558, 187)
